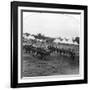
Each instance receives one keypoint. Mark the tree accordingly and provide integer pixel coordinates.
(40, 36)
(61, 39)
(77, 39)
(26, 34)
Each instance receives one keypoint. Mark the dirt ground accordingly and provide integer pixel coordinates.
(53, 65)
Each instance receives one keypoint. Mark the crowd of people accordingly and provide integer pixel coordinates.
(42, 50)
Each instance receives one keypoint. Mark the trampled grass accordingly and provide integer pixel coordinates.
(53, 65)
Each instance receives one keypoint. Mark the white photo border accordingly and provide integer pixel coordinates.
(56, 77)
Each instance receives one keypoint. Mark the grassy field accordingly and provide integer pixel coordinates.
(53, 65)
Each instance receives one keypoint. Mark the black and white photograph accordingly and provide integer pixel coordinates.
(50, 43)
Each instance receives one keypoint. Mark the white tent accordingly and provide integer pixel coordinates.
(75, 43)
(70, 41)
(64, 41)
(57, 41)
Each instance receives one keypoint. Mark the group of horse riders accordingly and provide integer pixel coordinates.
(47, 50)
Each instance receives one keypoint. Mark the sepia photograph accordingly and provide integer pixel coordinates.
(49, 44)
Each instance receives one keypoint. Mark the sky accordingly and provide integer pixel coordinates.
(52, 25)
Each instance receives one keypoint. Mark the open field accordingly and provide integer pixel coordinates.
(53, 65)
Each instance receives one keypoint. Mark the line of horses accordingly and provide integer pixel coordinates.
(42, 53)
